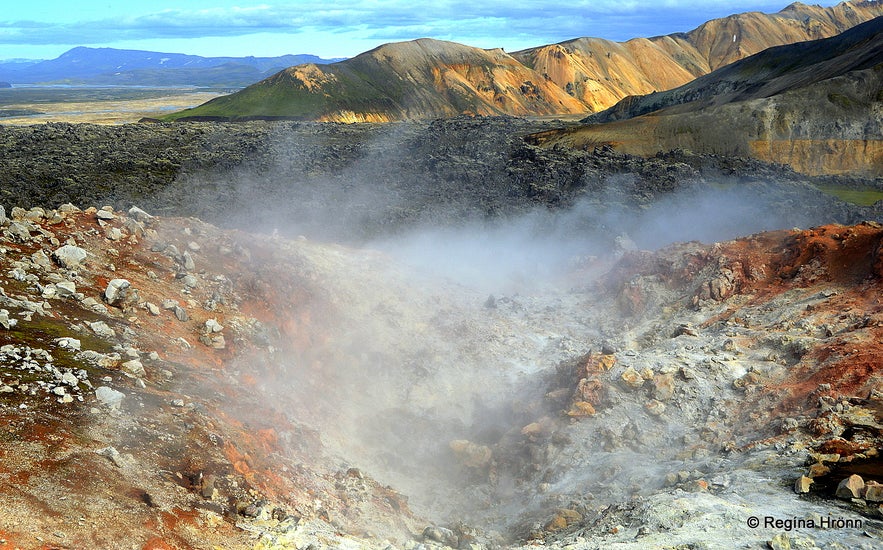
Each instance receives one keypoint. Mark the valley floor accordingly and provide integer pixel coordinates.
(101, 105)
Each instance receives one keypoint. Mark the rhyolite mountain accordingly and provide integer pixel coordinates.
(111, 66)
(815, 105)
(431, 78)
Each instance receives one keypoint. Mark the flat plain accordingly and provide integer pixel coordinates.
(100, 105)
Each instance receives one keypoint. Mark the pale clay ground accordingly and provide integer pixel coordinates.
(108, 112)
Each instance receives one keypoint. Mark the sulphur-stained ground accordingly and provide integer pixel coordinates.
(167, 384)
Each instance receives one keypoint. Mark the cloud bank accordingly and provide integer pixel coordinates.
(483, 24)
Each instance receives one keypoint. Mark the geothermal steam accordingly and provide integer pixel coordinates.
(448, 325)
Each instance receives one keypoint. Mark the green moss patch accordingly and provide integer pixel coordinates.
(865, 196)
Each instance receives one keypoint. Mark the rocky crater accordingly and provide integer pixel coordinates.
(214, 388)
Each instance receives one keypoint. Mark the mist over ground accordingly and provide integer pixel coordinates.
(454, 297)
(471, 199)
(454, 264)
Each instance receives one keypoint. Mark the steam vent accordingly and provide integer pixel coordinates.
(588, 295)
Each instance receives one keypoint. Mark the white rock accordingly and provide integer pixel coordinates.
(113, 233)
(68, 208)
(187, 261)
(133, 368)
(116, 290)
(109, 396)
(139, 214)
(19, 231)
(102, 329)
(69, 256)
(69, 379)
(41, 259)
(5, 321)
(114, 456)
(68, 343)
(65, 289)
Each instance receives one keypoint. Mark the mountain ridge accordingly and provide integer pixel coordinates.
(402, 80)
(108, 66)
(765, 74)
(815, 106)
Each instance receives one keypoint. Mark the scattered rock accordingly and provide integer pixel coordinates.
(99, 359)
(113, 233)
(187, 261)
(654, 407)
(19, 231)
(802, 485)
(69, 256)
(663, 386)
(40, 259)
(212, 325)
(113, 455)
(109, 397)
(632, 378)
(106, 213)
(780, 542)
(65, 289)
(851, 487)
(133, 368)
(181, 313)
(102, 329)
(818, 470)
(208, 487)
(117, 291)
(140, 215)
(441, 535)
(471, 454)
(5, 321)
(581, 408)
(873, 491)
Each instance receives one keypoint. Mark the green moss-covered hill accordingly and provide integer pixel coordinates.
(419, 79)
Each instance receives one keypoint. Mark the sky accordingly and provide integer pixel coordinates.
(45, 29)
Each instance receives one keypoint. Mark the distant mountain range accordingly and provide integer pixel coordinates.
(110, 66)
(431, 78)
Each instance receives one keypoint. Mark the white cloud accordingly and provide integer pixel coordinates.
(477, 23)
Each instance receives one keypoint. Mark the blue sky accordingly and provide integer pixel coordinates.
(46, 29)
